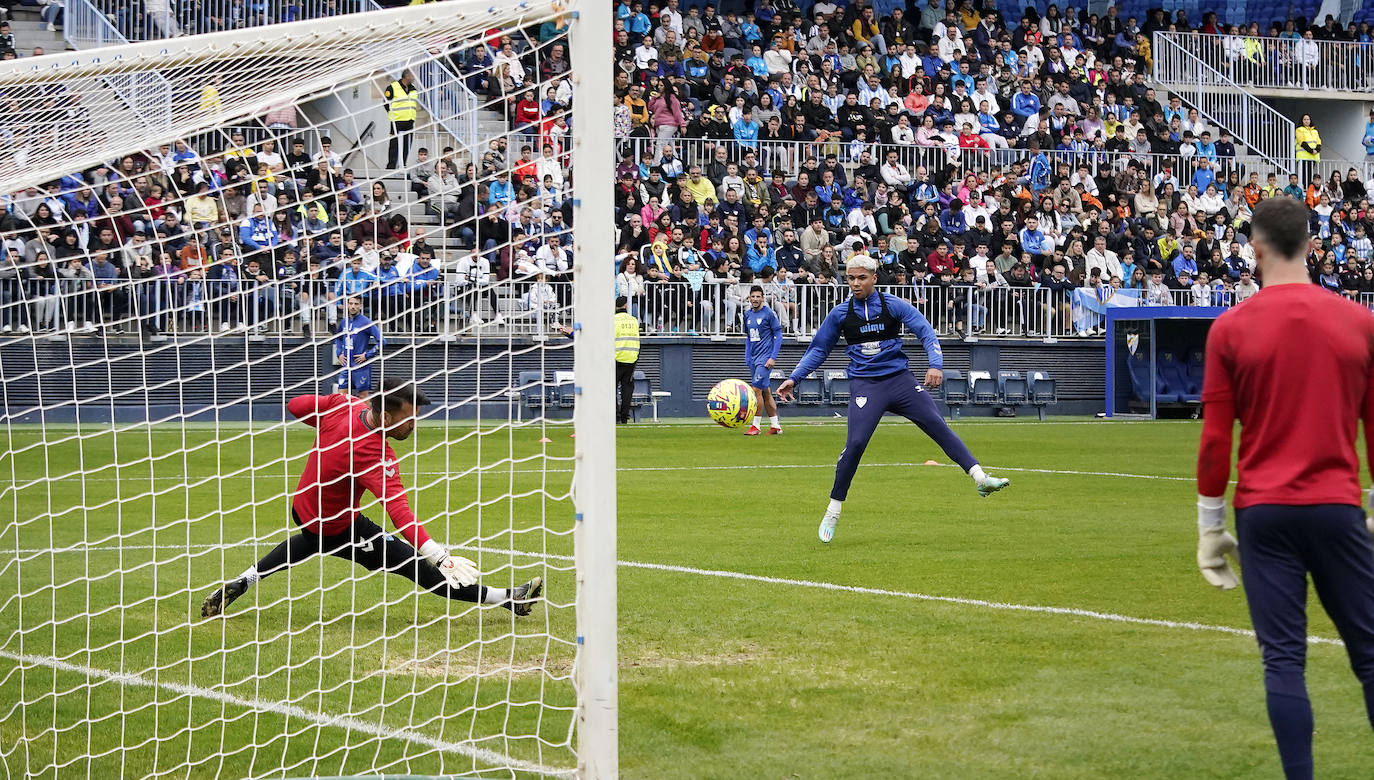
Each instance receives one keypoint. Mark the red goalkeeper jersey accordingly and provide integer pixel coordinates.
(349, 457)
(1295, 363)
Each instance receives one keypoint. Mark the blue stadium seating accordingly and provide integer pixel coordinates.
(1011, 387)
(1175, 377)
(809, 390)
(1043, 391)
(837, 388)
(533, 391)
(955, 389)
(985, 391)
(1194, 367)
(775, 379)
(1138, 366)
(641, 394)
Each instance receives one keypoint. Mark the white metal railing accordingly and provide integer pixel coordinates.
(1219, 99)
(142, 20)
(444, 94)
(148, 95)
(790, 156)
(181, 304)
(1284, 63)
(717, 308)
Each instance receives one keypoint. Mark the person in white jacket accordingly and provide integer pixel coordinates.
(1102, 257)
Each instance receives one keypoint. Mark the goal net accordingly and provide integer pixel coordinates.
(197, 231)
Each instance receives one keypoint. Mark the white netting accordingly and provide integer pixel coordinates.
(160, 305)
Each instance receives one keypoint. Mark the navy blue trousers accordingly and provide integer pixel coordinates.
(1279, 547)
(900, 393)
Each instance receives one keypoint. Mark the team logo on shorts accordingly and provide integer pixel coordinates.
(860, 400)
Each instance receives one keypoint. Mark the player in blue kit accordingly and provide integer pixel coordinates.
(880, 379)
(358, 342)
(764, 331)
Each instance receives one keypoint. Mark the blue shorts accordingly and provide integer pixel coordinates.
(760, 376)
(356, 378)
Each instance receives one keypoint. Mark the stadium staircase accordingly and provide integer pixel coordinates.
(30, 30)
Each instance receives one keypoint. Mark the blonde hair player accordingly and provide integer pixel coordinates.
(880, 379)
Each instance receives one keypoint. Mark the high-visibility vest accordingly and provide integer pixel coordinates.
(626, 338)
(403, 103)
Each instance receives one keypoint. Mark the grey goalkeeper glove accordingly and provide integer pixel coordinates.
(1369, 519)
(457, 570)
(1214, 544)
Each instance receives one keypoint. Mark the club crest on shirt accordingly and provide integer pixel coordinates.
(860, 400)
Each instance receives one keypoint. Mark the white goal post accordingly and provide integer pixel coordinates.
(149, 456)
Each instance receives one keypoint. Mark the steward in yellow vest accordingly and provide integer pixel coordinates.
(626, 354)
(402, 104)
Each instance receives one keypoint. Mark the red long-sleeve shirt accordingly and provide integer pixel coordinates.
(1295, 364)
(349, 457)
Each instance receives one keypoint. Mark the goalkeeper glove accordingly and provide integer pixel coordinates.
(457, 570)
(1368, 519)
(1214, 544)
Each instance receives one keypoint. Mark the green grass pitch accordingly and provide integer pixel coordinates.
(721, 676)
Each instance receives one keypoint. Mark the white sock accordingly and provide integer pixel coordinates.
(757, 419)
(251, 574)
(834, 508)
(496, 596)
(977, 473)
(773, 421)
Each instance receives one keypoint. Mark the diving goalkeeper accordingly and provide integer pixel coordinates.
(351, 455)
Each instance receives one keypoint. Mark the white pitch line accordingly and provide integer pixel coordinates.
(814, 584)
(498, 470)
(292, 711)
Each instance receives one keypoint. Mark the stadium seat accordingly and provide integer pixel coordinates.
(955, 389)
(1043, 391)
(1138, 367)
(533, 392)
(564, 391)
(1173, 372)
(641, 395)
(645, 394)
(837, 388)
(1011, 385)
(809, 390)
(776, 378)
(1194, 368)
(984, 388)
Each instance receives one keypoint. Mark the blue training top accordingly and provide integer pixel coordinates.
(873, 333)
(764, 332)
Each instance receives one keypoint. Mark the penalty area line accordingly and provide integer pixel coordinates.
(956, 600)
(796, 583)
(292, 711)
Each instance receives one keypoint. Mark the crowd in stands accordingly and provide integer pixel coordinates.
(216, 234)
(960, 148)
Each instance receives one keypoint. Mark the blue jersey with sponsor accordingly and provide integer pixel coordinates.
(875, 346)
(764, 333)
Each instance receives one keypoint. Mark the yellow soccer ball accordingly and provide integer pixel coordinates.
(732, 403)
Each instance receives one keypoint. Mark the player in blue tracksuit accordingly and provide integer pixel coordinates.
(880, 379)
(761, 352)
(358, 342)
